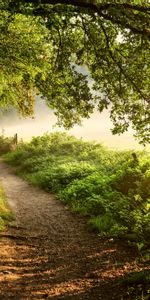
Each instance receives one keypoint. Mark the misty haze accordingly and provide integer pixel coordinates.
(97, 127)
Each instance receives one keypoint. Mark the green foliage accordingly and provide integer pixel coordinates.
(137, 285)
(102, 223)
(58, 177)
(5, 214)
(78, 55)
(24, 50)
(81, 189)
(111, 188)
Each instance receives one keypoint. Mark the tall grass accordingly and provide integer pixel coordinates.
(5, 213)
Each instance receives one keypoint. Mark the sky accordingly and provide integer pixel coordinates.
(97, 128)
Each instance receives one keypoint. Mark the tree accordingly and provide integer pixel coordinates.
(23, 48)
(109, 40)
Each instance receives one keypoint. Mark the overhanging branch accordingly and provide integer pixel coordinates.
(103, 10)
(93, 5)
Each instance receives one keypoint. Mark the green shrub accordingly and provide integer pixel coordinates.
(57, 177)
(64, 174)
(81, 189)
(103, 224)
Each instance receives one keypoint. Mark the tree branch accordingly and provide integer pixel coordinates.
(93, 5)
(135, 30)
(119, 65)
(104, 10)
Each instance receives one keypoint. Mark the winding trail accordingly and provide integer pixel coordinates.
(48, 252)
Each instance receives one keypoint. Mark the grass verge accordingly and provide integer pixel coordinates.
(5, 213)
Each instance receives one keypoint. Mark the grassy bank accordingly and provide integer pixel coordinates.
(5, 213)
(111, 188)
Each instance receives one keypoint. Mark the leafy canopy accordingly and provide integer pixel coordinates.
(79, 55)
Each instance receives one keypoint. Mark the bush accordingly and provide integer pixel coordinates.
(57, 177)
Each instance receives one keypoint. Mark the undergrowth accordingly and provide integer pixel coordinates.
(5, 213)
(111, 188)
(136, 285)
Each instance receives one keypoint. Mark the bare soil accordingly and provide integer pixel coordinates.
(48, 252)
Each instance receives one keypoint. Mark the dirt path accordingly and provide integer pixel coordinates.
(48, 252)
